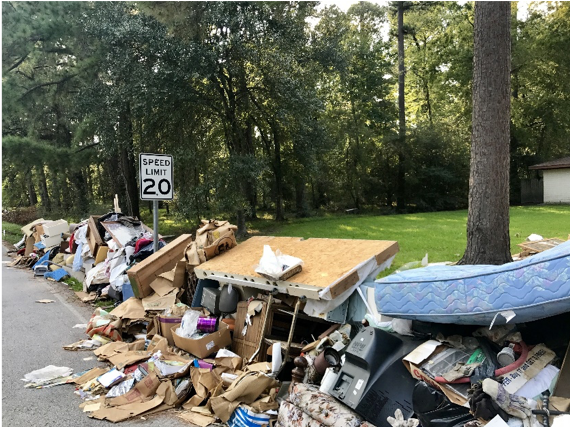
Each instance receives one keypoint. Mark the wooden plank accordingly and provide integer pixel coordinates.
(142, 274)
(326, 261)
(540, 246)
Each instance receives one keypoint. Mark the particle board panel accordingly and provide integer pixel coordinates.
(326, 262)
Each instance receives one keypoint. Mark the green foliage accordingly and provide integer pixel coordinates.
(541, 83)
(274, 107)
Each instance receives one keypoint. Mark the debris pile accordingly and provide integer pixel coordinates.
(284, 331)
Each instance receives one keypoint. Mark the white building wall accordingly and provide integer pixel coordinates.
(556, 185)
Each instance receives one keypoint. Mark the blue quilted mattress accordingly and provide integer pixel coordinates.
(535, 287)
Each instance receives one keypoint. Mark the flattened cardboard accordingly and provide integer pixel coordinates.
(124, 412)
(144, 273)
(158, 343)
(161, 286)
(246, 389)
(90, 375)
(157, 302)
(139, 393)
(537, 359)
(29, 245)
(206, 345)
(38, 232)
(197, 419)
(121, 360)
(259, 367)
(230, 363)
(130, 309)
(177, 275)
(117, 347)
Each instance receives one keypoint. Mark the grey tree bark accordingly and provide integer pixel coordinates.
(401, 180)
(488, 240)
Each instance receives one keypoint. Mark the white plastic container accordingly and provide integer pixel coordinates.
(55, 228)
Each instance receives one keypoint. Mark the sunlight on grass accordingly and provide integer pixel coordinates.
(441, 234)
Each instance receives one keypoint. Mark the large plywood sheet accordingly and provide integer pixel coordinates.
(326, 261)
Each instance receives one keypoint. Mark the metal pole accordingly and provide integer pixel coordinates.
(155, 224)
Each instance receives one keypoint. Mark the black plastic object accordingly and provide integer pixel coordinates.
(373, 380)
(202, 283)
(483, 406)
(434, 409)
(228, 300)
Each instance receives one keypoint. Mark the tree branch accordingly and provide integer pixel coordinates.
(17, 64)
(87, 146)
(66, 78)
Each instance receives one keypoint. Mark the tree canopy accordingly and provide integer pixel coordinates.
(280, 108)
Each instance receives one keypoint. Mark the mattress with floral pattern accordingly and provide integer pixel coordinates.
(533, 288)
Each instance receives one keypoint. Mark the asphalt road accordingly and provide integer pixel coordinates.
(32, 337)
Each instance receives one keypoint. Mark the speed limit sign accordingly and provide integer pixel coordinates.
(156, 176)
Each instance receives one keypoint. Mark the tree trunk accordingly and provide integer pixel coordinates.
(401, 180)
(277, 169)
(131, 203)
(300, 199)
(241, 227)
(46, 202)
(32, 195)
(113, 174)
(56, 188)
(128, 167)
(488, 239)
(81, 202)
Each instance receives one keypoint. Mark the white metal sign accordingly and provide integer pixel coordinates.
(155, 171)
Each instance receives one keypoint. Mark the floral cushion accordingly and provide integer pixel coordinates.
(322, 407)
(292, 416)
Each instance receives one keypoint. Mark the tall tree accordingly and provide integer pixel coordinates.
(488, 239)
(401, 194)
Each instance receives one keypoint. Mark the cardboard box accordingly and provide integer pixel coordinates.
(206, 345)
(145, 272)
(55, 228)
(27, 229)
(93, 237)
(167, 324)
(39, 231)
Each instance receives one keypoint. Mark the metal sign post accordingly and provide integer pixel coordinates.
(155, 173)
(155, 224)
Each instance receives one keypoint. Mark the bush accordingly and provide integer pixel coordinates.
(21, 216)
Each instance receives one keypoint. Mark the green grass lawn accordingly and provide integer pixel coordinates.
(168, 225)
(11, 233)
(442, 235)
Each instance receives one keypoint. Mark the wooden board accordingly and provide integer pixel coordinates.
(540, 245)
(141, 275)
(326, 262)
